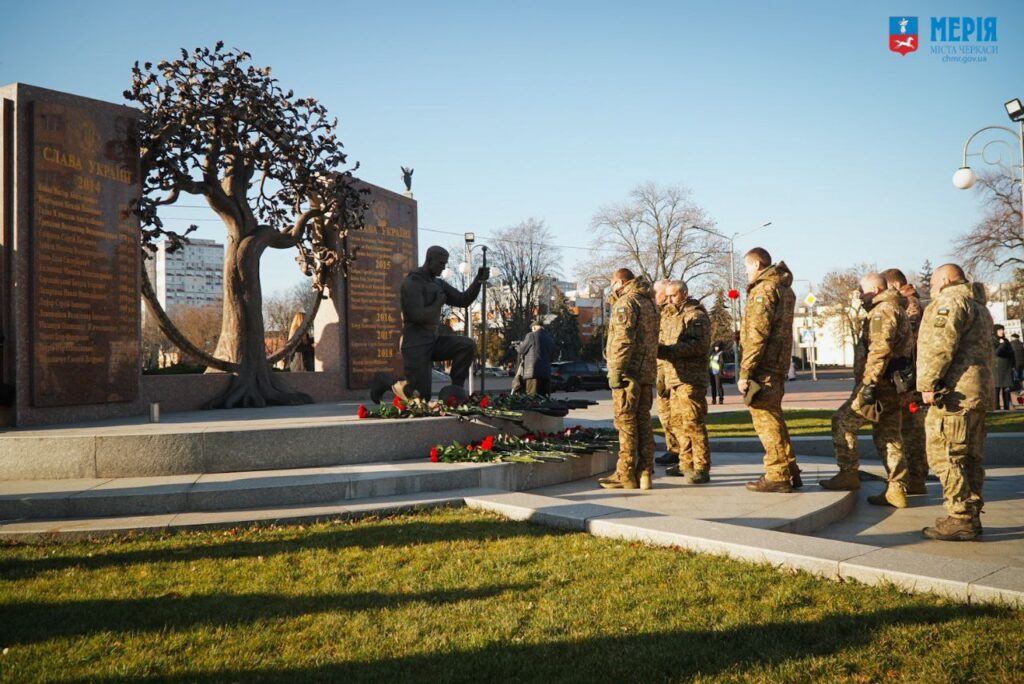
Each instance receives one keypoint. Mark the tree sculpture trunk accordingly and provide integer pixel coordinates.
(242, 333)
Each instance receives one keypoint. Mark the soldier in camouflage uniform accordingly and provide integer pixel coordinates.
(766, 339)
(661, 395)
(632, 354)
(883, 344)
(954, 375)
(683, 359)
(914, 410)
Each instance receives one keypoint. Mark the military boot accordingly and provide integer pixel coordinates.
(770, 486)
(954, 529)
(843, 481)
(678, 471)
(697, 477)
(619, 480)
(646, 480)
(667, 458)
(794, 476)
(892, 496)
(915, 487)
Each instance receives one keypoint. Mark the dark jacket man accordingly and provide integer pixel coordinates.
(537, 351)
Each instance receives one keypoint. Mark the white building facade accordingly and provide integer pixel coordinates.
(192, 276)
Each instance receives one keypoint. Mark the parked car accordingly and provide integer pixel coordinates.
(729, 372)
(576, 375)
(492, 372)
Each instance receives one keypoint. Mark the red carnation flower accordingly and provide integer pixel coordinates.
(913, 407)
(469, 448)
(452, 401)
(435, 455)
(363, 412)
(485, 402)
(397, 403)
(1020, 399)
(488, 443)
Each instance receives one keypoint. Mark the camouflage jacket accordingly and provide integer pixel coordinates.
(684, 345)
(632, 347)
(767, 333)
(954, 347)
(884, 335)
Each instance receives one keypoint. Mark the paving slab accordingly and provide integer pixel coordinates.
(917, 572)
(543, 510)
(1005, 585)
(820, 557)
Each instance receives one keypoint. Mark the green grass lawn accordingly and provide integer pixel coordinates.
(818, 422)
(457, 595)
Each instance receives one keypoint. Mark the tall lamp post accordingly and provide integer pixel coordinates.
(734, 293)
(466, 269)
(965, 178)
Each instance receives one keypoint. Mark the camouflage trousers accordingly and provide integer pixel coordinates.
(665, 414)
(632, 405)
(689, 425)
(956, 448)
(912, 432)
(847, 420)
(766, 413)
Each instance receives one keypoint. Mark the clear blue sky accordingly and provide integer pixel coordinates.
(794, 112)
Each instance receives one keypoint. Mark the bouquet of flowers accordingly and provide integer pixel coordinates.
(530, 448)
(497, 406)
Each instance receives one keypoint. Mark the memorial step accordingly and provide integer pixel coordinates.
(112, 497)
(200, 444)
(77, 528)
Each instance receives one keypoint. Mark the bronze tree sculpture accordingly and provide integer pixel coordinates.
(270, 165)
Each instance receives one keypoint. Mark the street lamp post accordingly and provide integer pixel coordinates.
(466, 268)
(965, 178)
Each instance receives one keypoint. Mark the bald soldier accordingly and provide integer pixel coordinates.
(954, 376)
(632, 354)
(766, 339)
(914, 410)
(883, 344)
(671, 455)
(683, 359)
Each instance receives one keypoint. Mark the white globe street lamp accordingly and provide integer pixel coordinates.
(964, 178)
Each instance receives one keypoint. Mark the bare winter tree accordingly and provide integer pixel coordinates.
(269, 165)
(839, 301)
(653, 233)
(998, 238)
(528, 261)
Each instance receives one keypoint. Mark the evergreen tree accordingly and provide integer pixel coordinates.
(565, 328)
(721, 321)
(924, 284)
(593, 350)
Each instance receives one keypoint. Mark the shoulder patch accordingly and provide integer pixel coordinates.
(940, 322)
(759, 298)
(943, 311)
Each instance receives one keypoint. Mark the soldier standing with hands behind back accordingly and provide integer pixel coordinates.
(632, 352)
(954, 375)
(767, 343)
